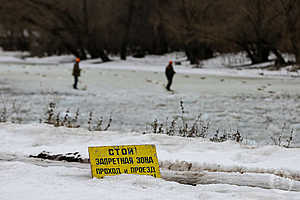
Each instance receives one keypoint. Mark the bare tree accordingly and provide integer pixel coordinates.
(290, 11)
(160, 43)
(12, 32)
(255, 29)
(97, 28)
(189, 24)
(57, 25)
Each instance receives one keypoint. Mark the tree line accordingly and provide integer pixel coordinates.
(200, 28)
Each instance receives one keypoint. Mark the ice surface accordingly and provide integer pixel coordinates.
(133, 93)
(257, 102)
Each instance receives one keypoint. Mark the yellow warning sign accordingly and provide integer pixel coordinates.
(126, 159)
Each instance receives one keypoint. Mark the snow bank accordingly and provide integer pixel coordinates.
(24, 140)
(21, 179)
(25, 181)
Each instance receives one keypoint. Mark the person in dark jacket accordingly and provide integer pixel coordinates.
(76, 72)
(169, 74)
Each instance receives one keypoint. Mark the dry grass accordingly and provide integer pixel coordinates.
(192, 128)
(70, 120)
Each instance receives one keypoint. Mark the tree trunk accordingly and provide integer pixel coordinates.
(98, 53)
(71, 49)
(196, 52)
(297, 57)
(123, 53)
(250, 55)
(82, 54)
(295, 50)
(258, 54)
(160, 44)
(104, 57)
(279, 59)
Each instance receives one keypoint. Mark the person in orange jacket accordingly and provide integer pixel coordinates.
(76, 72)
(169, 74)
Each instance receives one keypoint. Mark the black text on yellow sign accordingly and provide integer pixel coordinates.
(126, 159)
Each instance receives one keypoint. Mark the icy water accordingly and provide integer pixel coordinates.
(258, 107)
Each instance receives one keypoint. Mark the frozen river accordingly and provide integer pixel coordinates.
(257, 106)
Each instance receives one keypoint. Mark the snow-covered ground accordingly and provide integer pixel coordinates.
(232, 171)
(133, 93)
(256, 102)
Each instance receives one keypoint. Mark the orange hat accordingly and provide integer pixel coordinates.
(170, 62)
(77, 59)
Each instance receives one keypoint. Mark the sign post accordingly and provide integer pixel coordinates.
(126, 159)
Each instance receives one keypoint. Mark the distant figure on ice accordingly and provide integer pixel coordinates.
(76, 72)
(169, 74)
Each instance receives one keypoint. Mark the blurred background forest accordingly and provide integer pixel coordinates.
(200, 28)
